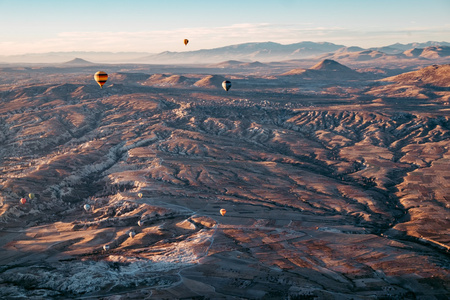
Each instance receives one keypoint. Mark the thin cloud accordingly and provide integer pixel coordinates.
(210, 37)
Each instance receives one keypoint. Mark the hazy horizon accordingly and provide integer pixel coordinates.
(154, 27)
(230, 45)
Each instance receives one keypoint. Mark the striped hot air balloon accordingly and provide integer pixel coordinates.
(101, 77)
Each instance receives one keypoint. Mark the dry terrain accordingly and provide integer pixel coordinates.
(335, 182)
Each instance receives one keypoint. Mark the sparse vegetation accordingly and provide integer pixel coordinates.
(331, 188)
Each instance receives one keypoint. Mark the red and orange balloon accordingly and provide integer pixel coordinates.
(101, 78)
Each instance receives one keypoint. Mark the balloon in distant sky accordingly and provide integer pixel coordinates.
(226, 85)
(101, 77)
(23, 201)
(223, 211)
(106, 247)
(132, 234)
(31, 195)
(140, 195)
(186, 41)
(87, 207)
(140, 223)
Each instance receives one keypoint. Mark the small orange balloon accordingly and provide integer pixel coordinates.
(223, 211)
(186, 41)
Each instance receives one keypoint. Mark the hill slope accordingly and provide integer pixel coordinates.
(326, 69)
(436, 75)
(328, 195)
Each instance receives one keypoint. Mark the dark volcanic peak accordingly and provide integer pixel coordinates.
(78, 61)
(238, 64)
(330, 65)
(326, 69)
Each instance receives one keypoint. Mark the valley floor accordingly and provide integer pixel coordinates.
(332, 189)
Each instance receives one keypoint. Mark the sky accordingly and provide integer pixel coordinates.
(40, 26)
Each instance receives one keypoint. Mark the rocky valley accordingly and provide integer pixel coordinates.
(335, 181)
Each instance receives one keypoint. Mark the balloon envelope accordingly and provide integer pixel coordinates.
(186, 41)
(87, 207)
(226, 85)
(223, 211)
(101, 77)
(31, 195)
(132, 234)
(106, 247)
(140, 195)
(23, 201)
(140, 223)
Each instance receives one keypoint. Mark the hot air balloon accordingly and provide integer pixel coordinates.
(87, 207)
(140, 195)
(106, 247)
(186, 41)
(23, 200)
(223, 211)
(140, 223)
(132, 234)
(31, 196)
(226, 85)
(101, 78)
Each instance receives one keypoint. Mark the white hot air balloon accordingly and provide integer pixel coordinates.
(226, 85)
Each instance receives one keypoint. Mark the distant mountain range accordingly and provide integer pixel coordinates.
(63, 57)
(249, 52)
(268, 51)
(399, 48)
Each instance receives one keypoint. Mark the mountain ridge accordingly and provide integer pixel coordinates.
(245, 52)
